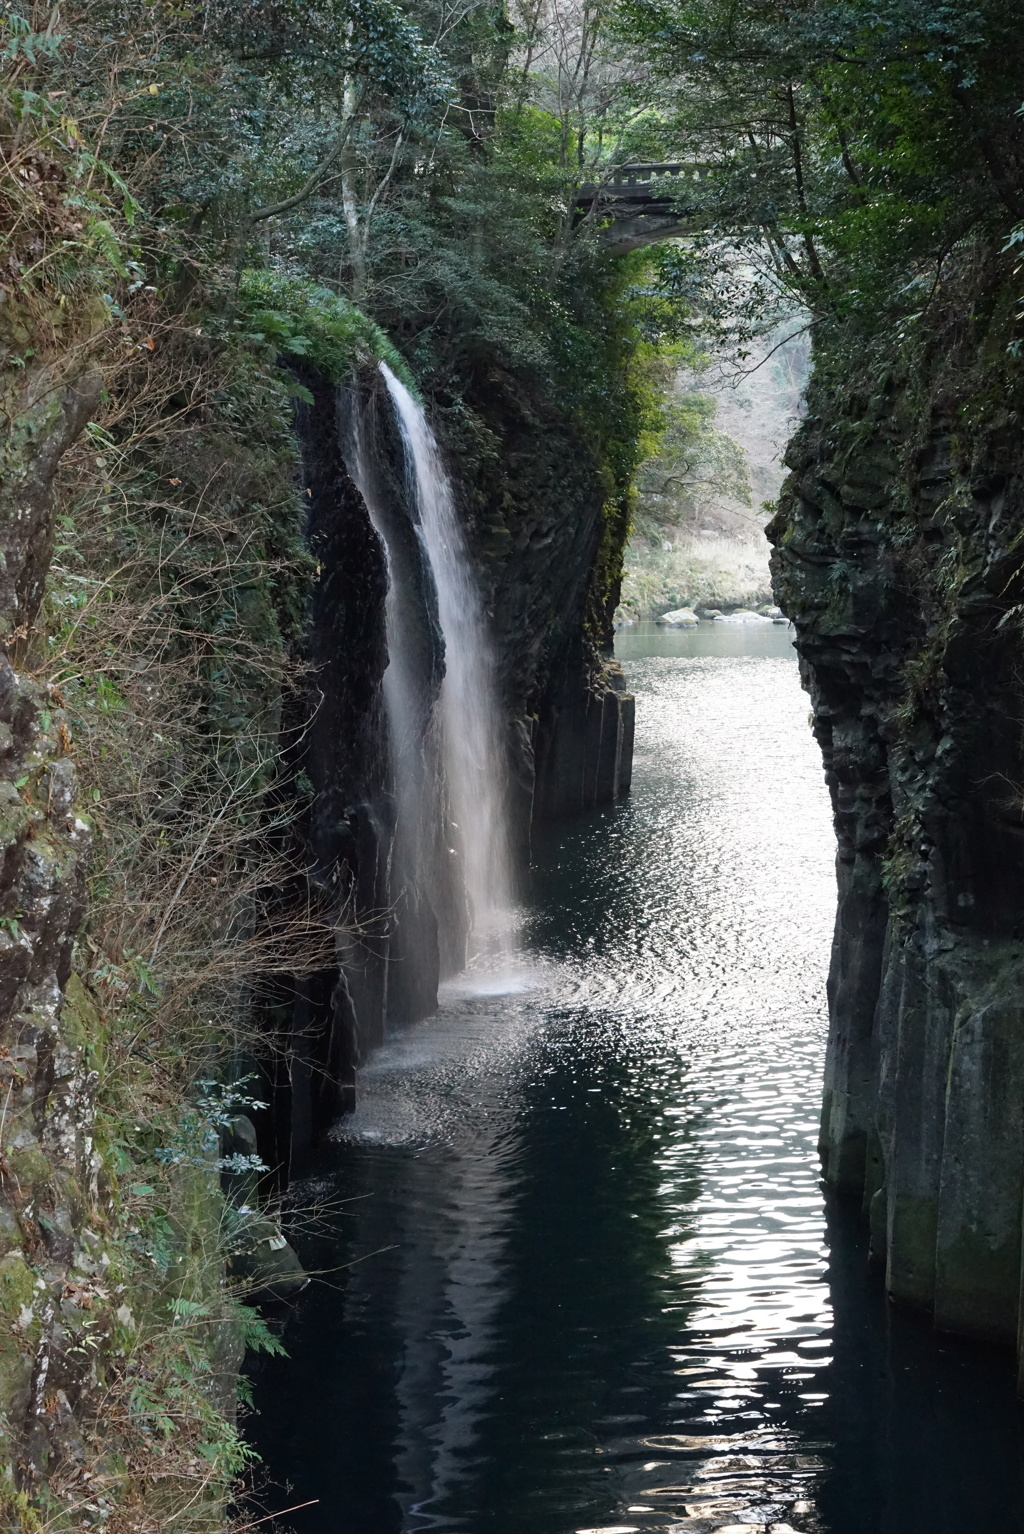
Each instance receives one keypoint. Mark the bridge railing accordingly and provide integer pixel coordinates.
(624, 178)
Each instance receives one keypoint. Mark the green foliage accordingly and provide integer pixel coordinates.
(170, 634)
(256, 1334)
(854, 148)
(692, 457)
(15, 1505)
(313, 50)
(295, 317)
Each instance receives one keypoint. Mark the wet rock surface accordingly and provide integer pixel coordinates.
(548, 542)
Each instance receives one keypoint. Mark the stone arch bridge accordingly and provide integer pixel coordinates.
(645, 203)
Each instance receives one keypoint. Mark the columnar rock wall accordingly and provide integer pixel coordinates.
(549, 538)
(583, 740)
(899, 554)
(325, 1020)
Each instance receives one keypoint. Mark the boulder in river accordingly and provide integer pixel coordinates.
(260, 1256)
(682, 618)
(263, 1260)
(743, 615)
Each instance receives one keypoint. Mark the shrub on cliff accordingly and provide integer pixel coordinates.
(855, 147)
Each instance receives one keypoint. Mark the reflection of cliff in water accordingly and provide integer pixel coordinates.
(592, 1287)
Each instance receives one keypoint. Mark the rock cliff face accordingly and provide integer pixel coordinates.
(549, 539)
(47, 1169)
(545, 550)
(899, 554)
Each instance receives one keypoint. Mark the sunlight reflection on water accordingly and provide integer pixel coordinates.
(591, 1288)
(720, 969)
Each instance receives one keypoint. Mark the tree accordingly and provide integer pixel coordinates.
(854, 146)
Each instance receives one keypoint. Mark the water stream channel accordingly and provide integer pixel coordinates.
(584, 1280)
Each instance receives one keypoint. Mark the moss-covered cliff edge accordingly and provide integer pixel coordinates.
(148, 631)
(899, 554)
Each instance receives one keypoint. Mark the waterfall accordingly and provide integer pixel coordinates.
(428, 924)
(470, 719)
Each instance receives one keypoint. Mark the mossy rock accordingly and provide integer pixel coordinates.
(268, 1265)
(17, 1293)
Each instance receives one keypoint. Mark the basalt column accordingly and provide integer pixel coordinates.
(900, 557)
(374, 844)
(583, 743)
(548, 539)
(326, 1020)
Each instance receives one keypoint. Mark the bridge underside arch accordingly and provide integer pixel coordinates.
(649, 225)
(642, 205)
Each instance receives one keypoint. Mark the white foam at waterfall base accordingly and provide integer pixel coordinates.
(415, 1088)
(471, 719)
(488, 981)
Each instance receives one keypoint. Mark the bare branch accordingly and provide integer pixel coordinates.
(312, 181)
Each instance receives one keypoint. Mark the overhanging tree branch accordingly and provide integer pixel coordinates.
(311, 183)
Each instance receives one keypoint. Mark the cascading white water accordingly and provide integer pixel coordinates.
(404, 707)
(473, 759)
(427, 927)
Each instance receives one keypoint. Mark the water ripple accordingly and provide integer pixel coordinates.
(591, 1287)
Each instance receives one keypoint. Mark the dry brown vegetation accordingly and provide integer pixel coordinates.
(169, 643)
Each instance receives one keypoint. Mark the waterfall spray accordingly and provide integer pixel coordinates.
(473, 758)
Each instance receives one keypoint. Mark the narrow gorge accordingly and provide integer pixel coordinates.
(422, 960)
(897, 555)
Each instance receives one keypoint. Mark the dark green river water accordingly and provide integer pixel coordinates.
(584, 1280)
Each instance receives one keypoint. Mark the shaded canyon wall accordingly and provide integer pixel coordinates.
(537, 549)
(899, 554)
